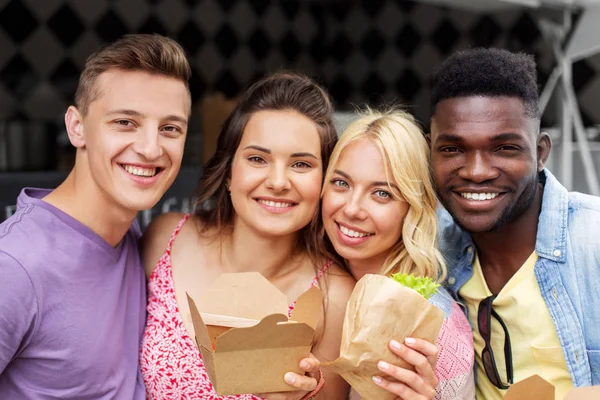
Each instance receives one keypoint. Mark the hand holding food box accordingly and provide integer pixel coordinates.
(245, 337)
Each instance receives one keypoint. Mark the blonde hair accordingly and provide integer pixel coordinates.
(151, 53)
(406, 154)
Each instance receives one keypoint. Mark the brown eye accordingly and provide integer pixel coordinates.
(301, 164)
(256, 160)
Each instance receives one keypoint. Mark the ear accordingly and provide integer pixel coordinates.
(428, 138)
(74, 125)
(544, 145)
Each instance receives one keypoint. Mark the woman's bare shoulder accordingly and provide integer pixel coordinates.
(156, 238)
(339, 285)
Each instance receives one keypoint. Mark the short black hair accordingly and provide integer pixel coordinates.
(488, 72)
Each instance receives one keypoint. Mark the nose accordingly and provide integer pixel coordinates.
(354, 208)
(147, 143)
(277, 178)
(478, 169)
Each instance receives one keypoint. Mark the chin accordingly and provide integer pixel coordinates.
(476, 225)
(139, 204)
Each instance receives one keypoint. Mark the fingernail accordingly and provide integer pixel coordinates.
(410, 340)
(395, 345)
(304, 365)
(289, 378)
(383, 365)
(377, 379)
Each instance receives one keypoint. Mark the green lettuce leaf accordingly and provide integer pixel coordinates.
(425, 286)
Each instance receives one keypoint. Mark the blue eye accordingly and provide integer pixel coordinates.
(339, 183)
(382, 194)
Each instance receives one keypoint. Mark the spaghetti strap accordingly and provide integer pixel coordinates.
(176, 232)
(320, 273)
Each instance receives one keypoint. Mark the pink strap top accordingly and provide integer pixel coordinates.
(171, 363)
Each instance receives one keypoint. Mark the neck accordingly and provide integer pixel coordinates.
(359, 268)
(80, 198)
(502, 252)
(243, 250)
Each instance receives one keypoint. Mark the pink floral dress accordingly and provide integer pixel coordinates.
(171, 363)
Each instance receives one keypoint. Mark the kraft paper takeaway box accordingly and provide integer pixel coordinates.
(535, 387)
(244, 335)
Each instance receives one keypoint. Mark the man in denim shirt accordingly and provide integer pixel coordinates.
(523, 253)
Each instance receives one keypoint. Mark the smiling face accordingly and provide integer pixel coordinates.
(486, 154)
(130, 142)
(361, 217)
(276, 173)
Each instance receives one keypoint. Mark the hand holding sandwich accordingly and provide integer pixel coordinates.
(419, 385)
(411, 385)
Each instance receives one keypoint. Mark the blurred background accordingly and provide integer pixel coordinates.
(372, 52)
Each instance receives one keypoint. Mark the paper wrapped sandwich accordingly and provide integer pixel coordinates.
(381, 309)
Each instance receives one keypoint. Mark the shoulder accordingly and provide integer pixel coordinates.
(583, 215)
(450, 236)
(18, 297)
(156, 238)
(584, 203)
(339, 286)
(26, 239)
(12, 271)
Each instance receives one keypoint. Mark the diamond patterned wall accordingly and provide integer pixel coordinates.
(372, 51)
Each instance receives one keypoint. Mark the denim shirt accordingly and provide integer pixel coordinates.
(567, 271)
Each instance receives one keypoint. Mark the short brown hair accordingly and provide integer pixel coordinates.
(153, 53)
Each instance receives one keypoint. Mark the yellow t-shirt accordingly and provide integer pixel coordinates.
(535, 345)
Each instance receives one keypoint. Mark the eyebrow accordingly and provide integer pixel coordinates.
(134, 113)
(507, 137)
(267, 151)
(304, 154)
(376, 183)
(448, 137)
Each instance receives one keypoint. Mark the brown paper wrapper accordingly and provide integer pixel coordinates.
(379, 310)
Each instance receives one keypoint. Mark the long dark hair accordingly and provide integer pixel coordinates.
(279, 91)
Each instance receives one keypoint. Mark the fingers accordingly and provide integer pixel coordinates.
(310, 365)
(304, 383)
(404, 391)
(301, 382)
(424, 362)
(430, 350)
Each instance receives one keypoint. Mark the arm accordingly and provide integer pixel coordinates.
(339, 288)
(18, 310)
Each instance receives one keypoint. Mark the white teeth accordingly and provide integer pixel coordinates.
(274, 204)
(479, 196)
(351, 233)
(139, 171)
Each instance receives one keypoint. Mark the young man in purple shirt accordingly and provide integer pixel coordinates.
(72, 288)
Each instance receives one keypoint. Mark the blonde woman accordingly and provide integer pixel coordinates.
(379, 212)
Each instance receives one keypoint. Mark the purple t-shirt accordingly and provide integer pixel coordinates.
(72, 307)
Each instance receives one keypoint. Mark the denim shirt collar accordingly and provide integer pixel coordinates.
(552, 225)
